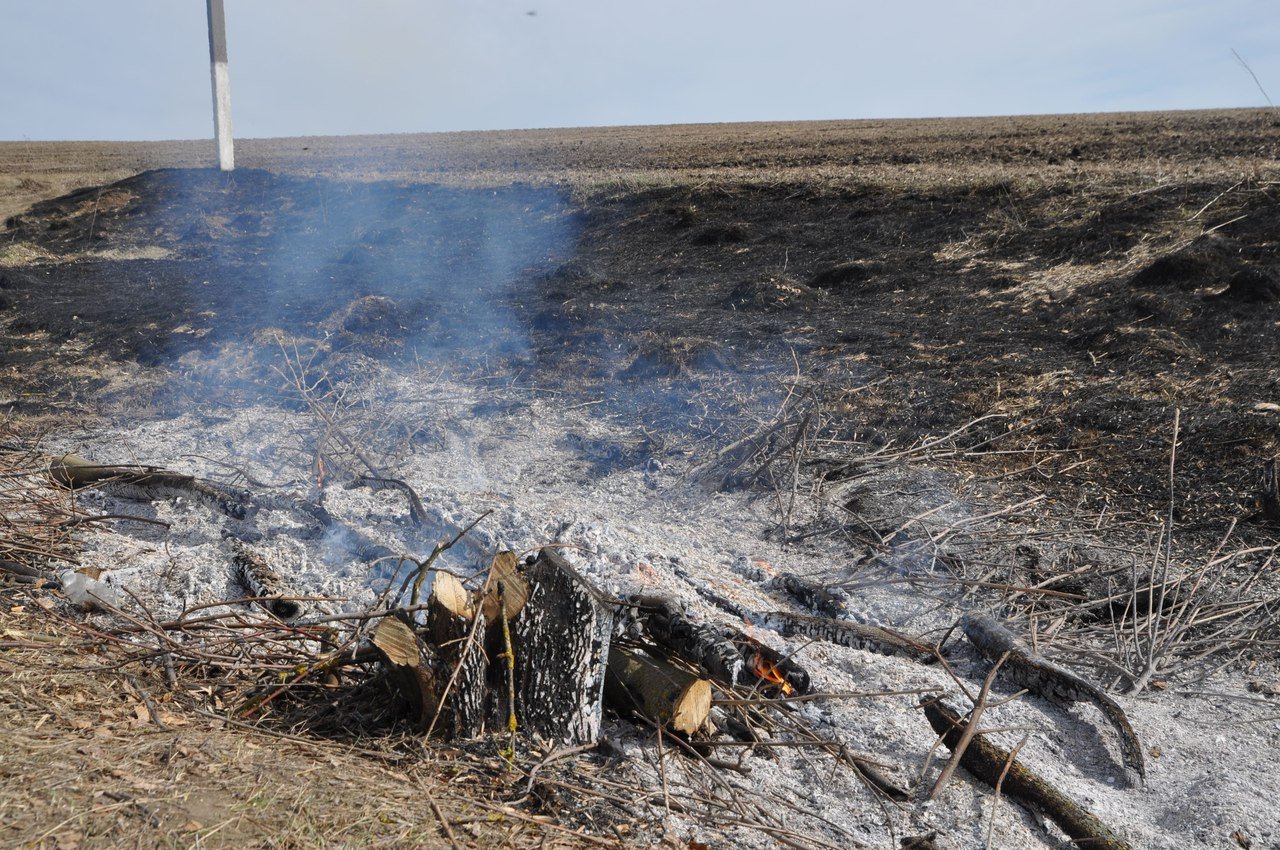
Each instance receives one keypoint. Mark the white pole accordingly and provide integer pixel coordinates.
(221, 85)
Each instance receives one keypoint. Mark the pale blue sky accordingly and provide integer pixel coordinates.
(138, 69)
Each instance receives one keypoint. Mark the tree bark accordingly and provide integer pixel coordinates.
(561, 642)
(450, 619)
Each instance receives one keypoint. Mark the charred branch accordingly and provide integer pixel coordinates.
(1027, 669)
(149, 483)
(989, 762)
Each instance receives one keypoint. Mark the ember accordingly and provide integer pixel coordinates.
(769, 672)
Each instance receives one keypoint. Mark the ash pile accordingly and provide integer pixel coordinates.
(680, 675)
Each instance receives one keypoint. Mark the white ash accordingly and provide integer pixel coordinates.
(1214, 775)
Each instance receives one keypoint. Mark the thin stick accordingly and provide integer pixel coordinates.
(970, 729)
(444, 823)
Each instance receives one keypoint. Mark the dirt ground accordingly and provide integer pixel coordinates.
(1065, 291)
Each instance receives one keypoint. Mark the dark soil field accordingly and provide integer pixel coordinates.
(1048, 301)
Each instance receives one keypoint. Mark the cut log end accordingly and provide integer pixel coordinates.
(657, 690)
(506, 588)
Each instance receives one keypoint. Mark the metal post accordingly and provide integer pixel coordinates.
(221, 85)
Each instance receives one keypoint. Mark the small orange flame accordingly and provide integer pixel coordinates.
(764, 566)
(320, 472)
(769, 672)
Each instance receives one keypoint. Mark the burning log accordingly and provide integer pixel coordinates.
(989, 762)
(657, 690)
(148, 483)
(258, 578)
(726, 654)
(561, 641)
(409, 665)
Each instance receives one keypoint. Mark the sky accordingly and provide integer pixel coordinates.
(139, 69)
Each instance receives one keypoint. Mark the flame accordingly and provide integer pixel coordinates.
(769, 672)
(320, 472)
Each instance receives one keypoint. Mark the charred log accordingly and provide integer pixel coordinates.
(260, 580)
(988, 762)
(148, 483)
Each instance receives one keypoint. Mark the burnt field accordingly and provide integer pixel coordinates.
(1023, 367)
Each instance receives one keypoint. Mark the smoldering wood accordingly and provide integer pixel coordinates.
(149, 483)
(252, 572)
(561, 641)
(827, 601)
(1026, 669)
(724, 653)
(876, 639)
(657, 689)
(410, 664)
(987, 762)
